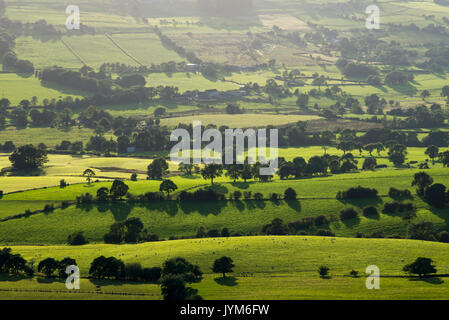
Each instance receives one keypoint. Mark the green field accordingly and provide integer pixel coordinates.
(292, 275)
(71, 168)
(46, 53)
(12, 87)
(238, 121)
(188, 82)
(316, 197)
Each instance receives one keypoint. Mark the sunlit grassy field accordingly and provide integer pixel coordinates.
(51, 137)
(257, 275)
(170, 218)
(239, 121)
(11, 87)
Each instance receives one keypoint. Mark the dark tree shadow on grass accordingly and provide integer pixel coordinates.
(260, 204)
(362, 203)
(49, 280)
(351, 223)
(168, 206)
(239, 205)
(294, 204)
(204, 208)
(218, 188)
(27, 173)
(12, 277)
(430, 280)
(403, 198)
(241, 185)
(110, 282)
(406, 89)
(227, 281)
(87, 207)
(250, 204)
(192, 177)
(277, 203)
(372, 216)
(120, 210)
(442, 213)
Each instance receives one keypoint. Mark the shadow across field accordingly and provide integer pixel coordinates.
(430, 280)
(227, 281)
(121, 210)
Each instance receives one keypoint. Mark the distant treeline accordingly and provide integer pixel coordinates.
(190, 56)
(442, 2)
(225, 7)
(9, 57)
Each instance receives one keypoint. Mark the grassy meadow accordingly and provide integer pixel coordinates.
(292, 275)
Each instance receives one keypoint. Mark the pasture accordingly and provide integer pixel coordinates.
(71, 168)
(316, 197)
(247, 120)
(12, 87)
(292, 275)
(51, 137)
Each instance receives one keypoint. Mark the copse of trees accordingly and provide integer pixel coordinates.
(395, 78)
(395, 193)
(181, 267)
(118, 190)
(77, 239)
(355, 69)
(421, 266)
(14, 263)
(206, 194)
(275, 228)
(422, 180)
(49, 266)
(82, 80)
(358, 192)
(223, 265)
(173, 287)
(349, 213)
(113, 268)
(397, 154)
(28, 158)
(128, 231)
(107, 268)
(398, 207)
(157, 169)
(131, 80)
(309, 222)
(436, 196)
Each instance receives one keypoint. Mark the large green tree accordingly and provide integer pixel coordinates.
(157, 169)
(422, 180)
(168, 187)
(223, 265)
(119, 189)
(89, 174)
(212, 171)
(28, 158)
(421, 266)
